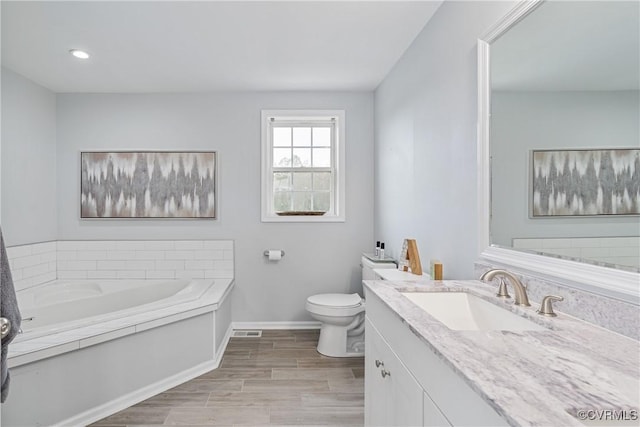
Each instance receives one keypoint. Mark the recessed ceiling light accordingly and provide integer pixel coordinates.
(80, 54)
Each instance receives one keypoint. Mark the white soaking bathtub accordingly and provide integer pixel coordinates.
(93, 348)
(66, 304)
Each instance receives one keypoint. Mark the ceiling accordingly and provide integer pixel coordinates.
(196, 46)
(571, 45)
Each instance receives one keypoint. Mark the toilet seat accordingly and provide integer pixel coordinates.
(335, 300)
(335, 304)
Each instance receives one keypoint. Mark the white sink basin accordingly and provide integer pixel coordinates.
(461, 311)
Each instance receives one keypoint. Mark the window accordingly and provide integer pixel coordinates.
(303, 166)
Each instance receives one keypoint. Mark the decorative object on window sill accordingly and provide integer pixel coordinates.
(148, 184)
(301, 213)
(584, 182)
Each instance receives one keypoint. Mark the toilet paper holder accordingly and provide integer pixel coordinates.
(266, 253)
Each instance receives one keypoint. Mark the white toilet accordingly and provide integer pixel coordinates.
(342, 317)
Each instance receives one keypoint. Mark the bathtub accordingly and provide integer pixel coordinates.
(108, 344)
(68, 304)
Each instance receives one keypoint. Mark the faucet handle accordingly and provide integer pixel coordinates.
(502, 289)
(546, 308)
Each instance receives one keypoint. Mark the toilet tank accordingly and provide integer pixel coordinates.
(368, 263)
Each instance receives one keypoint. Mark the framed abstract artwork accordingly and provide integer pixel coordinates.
(585, 182)
(148, 184)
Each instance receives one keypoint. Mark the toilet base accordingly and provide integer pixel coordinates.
(335, 342)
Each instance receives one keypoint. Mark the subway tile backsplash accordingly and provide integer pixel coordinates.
(33, 264)
(38, 263)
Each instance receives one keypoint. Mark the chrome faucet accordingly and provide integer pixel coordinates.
(520, 289)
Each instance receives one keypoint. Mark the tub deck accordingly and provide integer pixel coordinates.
(25, 349)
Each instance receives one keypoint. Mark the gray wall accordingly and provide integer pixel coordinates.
(425, 151)
(322, 257)
(523, 121)
(28, 161)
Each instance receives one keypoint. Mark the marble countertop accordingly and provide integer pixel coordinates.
(529, 377)
(404, 276)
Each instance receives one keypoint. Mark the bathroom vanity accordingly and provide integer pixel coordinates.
(534, 370)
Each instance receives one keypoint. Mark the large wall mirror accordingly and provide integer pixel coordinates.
(559, 143)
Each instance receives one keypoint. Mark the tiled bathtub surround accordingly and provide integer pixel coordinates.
(145, 259)
(38, 263)
(609, 313)
(33, 264)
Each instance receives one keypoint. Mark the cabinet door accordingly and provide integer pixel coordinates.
(377, 399)
(406, 394)
(392, 396)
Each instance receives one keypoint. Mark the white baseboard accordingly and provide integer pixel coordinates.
(223, 345)
(276, 325)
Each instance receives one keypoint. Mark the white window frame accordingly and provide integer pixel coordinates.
(337, 212)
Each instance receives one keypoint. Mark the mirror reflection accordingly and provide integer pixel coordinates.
(565, 85)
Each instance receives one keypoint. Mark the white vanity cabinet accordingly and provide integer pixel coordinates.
(392, 395)
(422, 390)
(431, 415)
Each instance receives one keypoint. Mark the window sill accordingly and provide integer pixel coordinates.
(302, 218)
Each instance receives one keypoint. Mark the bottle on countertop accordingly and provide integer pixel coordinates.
(381, 252)
(436, 270)
(377, 248)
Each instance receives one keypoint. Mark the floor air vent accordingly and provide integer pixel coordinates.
(247, 334)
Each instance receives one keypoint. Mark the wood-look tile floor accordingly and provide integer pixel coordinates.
(279, 379)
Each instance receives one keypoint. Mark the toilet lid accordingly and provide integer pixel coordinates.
(336, 300)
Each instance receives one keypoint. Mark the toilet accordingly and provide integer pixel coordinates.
(342, 318)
